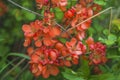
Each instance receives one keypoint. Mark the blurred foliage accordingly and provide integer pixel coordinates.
(11, 41)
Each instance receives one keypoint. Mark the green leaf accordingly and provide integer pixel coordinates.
(19, 55)
(112, 37)
(105, 76)
(84, 68)
(100, 2)
(106, 31)
(117, 23)
(62, 40)
(101, 39)
(58, 14)
(91, 31)
(113, 56)
(71, 75)
(30, 16)
(110, 41)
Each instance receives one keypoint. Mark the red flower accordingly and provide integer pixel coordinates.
(67, 63)
(75, 59)
(80, 35)
(27, 42)
(53, 54)
(75, 47)
(49, 70)
(27, 30)
(62, 4)
(90, 41)
(97, 52)
(55, 31)
(82, 13)
(85, 2)
(38, 43)
(30, 51)
(41, 3)
(70, 13)
(36, 69)
(96, 8)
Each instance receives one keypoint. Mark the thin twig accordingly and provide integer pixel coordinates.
(12, 69)
(64, 29)
(90, 18)
(7, 65)
(110, 24)
(24, 8)
(18, 75)
(36, 14)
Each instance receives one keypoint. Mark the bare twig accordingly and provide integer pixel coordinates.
(26, 66)
(12, 69)
(63, 29)
(110, 24)
(8, 65)
(24, 8)
(90, 18)
(36, 14)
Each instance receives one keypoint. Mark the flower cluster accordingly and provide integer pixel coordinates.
(52, 3)
(48, 51)
(3, 8)
(97, 52)
(49, 47)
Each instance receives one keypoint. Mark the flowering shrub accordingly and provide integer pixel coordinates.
(51, 47)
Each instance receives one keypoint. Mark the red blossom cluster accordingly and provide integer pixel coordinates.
(43, 39)
(3, 8)
(97, 52)
(52, 3)
(48, 51)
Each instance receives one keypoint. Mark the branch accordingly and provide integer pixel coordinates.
(110, 24)
(8, 72)
(22, 71)
(36, 14)
(24, 8)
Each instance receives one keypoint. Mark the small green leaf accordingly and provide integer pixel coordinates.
(110, 41)
(117, 23)
(101, 39)
(112, 37)
(71, 75)
(84, 68)
(19, 55)
(91, 31)
(100, 2)
(113, 56)
(105, 76)
(62, 40)
(106, 31)
(30, 16)
(58, 14)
